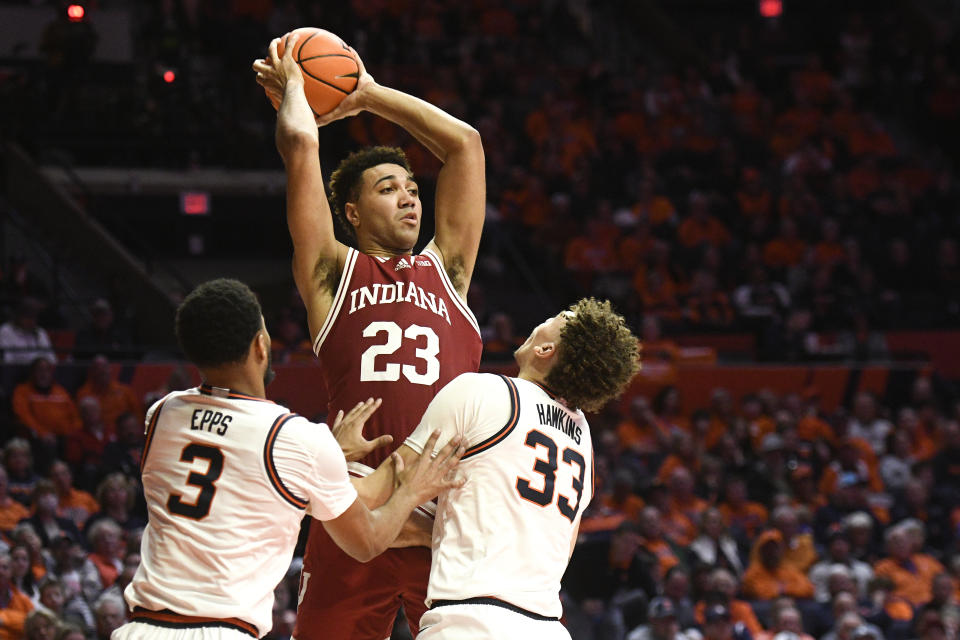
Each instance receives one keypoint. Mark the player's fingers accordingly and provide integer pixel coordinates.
(382, 441)
(338, 419)
(454, 481)
(368, 408)
(397, 462)
(449, 450)
(428, 447)
(272, 52)
(289, 42)
(261, 66)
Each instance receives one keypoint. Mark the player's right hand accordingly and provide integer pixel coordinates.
(433, 472)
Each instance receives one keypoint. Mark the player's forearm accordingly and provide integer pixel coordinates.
(386, 522)
(297, 139)
(434, 128)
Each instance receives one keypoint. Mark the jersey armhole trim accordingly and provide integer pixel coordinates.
(148, 440)
(507, 428)
(451, 292)
(338, 299)
(271, 467)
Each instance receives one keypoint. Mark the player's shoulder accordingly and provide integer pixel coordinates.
(478, 382)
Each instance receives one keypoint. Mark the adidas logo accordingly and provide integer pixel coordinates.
(402, 264)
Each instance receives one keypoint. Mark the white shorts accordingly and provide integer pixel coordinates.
(486, 622)
(144, 631)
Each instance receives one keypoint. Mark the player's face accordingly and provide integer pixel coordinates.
(389, 208)
(546, 331)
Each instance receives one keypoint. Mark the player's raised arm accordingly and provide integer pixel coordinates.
(317, 255)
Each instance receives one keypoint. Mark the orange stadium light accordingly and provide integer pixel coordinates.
(169, 76)
(76, 12)
(771, 8)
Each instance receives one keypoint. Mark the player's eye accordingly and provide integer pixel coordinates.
(414, 192)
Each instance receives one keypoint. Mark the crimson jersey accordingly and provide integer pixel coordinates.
(397, 330)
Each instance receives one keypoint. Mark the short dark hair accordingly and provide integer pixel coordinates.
(596, 358)
(345, 183)
(217, 321)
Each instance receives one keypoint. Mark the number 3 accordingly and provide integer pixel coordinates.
(199, 509)
(392, 370)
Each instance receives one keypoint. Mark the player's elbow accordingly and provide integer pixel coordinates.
(294, 142)
(365, 550)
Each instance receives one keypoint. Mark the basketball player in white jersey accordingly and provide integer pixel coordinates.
(229, 475)
(501, 542)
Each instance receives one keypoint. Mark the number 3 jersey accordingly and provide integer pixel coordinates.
(507, 532)
(227, 480)
(397, 330)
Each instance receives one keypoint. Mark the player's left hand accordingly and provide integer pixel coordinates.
(348, 430)
(354, 102)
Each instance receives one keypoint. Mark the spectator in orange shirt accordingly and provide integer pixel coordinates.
(700, 227)
(622, 500)
(744, 517)
(108, 546)
(707, 306)
(640, 432)
(683, 453)
(14, 606)
(85, 450)
(722, 587)
(43, 406)
(786, 249)
(75, 504)
(682, 497)
(829, 251)
(753, 197)
(912, 574)
(115, 397)
(768, 577)
(654, 543)
(799, 549)
(11, 511)
(851, 458)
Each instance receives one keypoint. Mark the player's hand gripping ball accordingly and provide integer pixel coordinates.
(330, 67)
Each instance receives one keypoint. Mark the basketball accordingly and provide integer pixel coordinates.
(330, 68)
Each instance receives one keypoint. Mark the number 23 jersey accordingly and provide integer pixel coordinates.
(397, 330)
(529, 476)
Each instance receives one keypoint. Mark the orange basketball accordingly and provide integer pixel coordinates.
(330, 67)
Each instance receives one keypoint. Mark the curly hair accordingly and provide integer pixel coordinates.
(217, 321)
(597, 356)
(345, 183)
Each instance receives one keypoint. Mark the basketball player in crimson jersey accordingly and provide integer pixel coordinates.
(385, 323)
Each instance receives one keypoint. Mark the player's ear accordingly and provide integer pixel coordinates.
(353, 216)
(545, 350)
(261, 345)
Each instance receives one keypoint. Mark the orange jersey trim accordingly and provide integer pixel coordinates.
(149, 437)
(507, 428)
(285, 493)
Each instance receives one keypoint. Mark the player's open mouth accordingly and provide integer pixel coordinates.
(410, 219)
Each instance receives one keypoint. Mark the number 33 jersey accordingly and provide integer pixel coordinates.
(507, 533)
(227, 480)
(397, 330)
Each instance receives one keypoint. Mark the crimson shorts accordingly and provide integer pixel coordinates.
(342, 599)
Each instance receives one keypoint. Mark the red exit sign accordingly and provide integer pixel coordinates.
(195, 203)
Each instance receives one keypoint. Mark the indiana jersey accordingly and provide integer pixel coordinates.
(397, 330)
(507, 532)
(227, 480)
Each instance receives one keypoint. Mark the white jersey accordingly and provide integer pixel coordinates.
(507, 532)
(227, 479)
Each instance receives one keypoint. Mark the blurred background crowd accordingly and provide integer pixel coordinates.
(779, 176)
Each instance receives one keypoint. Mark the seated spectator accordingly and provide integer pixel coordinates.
(116, 495)
(21, 574)
(11, 511)
(928, 624)
(943, 596)
(289, 343)
(14, 605)
(674, 525)
(85, 449)
(912, 574)
(682, 498)
(851, 626)
(896, 463)
(722, 587)
(677, 587)
(115, 397)
(684, 453)
(719, 625)
(43, 406)
(123, 454)
(640, 432)
(40, 624)
(103, 335)
(45, 520)
(799, 549)
(621, 500)
(768, 577)
(861, 528)
(106, 541)
(745, 518)
(74, 504)
(851, 496)
(785, 620)
(71, 565)
(867, 423)
(25, 535)
(700, 227)
(805, 496)
(110, 613)
(22, 339)
(501, 340)
(838, 555)
(661, 623)
(714, 547)
(653, 542)
(21, 478)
